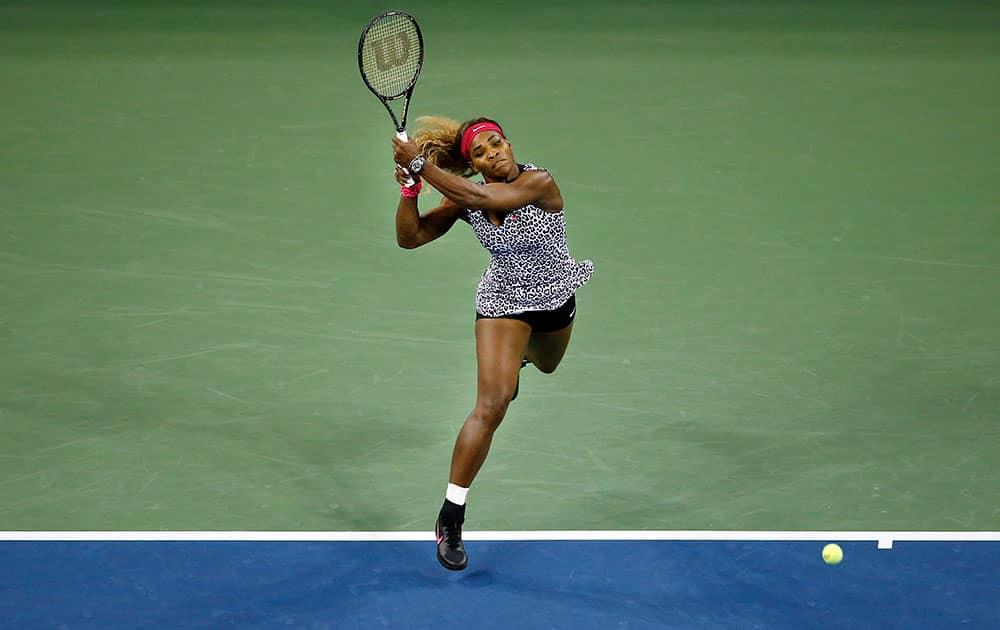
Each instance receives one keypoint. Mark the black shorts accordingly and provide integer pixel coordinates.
(543, 321)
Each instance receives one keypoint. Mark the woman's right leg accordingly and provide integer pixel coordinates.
(500, 346)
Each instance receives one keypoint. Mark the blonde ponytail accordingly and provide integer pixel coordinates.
(438, 138)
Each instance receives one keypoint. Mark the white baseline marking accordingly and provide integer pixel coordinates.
(884, 539)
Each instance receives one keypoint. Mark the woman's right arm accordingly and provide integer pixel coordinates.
(414, 229)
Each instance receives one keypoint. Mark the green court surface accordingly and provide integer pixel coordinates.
(792, 207)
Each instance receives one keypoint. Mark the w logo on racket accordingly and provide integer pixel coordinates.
(391, 52)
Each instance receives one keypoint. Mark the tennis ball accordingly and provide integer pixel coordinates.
(833, 554)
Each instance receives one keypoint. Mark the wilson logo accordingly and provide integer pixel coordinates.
(391, 52)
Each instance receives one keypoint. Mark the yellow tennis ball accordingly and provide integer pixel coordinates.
(833, 554)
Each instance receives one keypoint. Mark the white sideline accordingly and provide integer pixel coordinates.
(884, 540)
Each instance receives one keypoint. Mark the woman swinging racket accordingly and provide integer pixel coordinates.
(525, 301)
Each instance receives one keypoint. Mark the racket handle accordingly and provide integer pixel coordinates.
(401, 134)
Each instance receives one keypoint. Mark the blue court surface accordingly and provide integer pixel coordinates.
(509, 584)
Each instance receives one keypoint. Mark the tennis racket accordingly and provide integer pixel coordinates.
(390, 55)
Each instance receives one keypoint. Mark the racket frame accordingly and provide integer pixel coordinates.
(407, 92)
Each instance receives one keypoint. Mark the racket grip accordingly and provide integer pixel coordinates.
(401, 134)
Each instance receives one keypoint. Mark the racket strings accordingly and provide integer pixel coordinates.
(390, 55)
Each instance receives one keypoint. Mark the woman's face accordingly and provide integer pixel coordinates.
(492, 155)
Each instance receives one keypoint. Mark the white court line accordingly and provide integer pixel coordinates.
(884, 539)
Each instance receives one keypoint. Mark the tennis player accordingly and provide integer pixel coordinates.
(525, 301)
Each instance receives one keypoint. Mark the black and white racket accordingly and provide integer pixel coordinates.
(390, 55)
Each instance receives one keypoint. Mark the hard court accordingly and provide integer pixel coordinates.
(228, 399)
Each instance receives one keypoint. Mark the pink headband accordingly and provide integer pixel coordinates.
(475, 130)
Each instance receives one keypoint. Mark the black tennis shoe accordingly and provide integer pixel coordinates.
(517, 385)
(450, 550)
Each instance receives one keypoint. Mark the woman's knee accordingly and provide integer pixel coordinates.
(547, 367)
(491, 408)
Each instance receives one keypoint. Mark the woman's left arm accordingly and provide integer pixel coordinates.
(532, 187)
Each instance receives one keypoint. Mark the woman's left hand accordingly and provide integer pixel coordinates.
(404, 152)
(403, 177)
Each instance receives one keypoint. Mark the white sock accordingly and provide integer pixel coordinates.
(456, 494)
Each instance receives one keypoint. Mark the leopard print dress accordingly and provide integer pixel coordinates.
(530, 266)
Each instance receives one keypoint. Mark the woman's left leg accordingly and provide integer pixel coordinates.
(546, 349)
